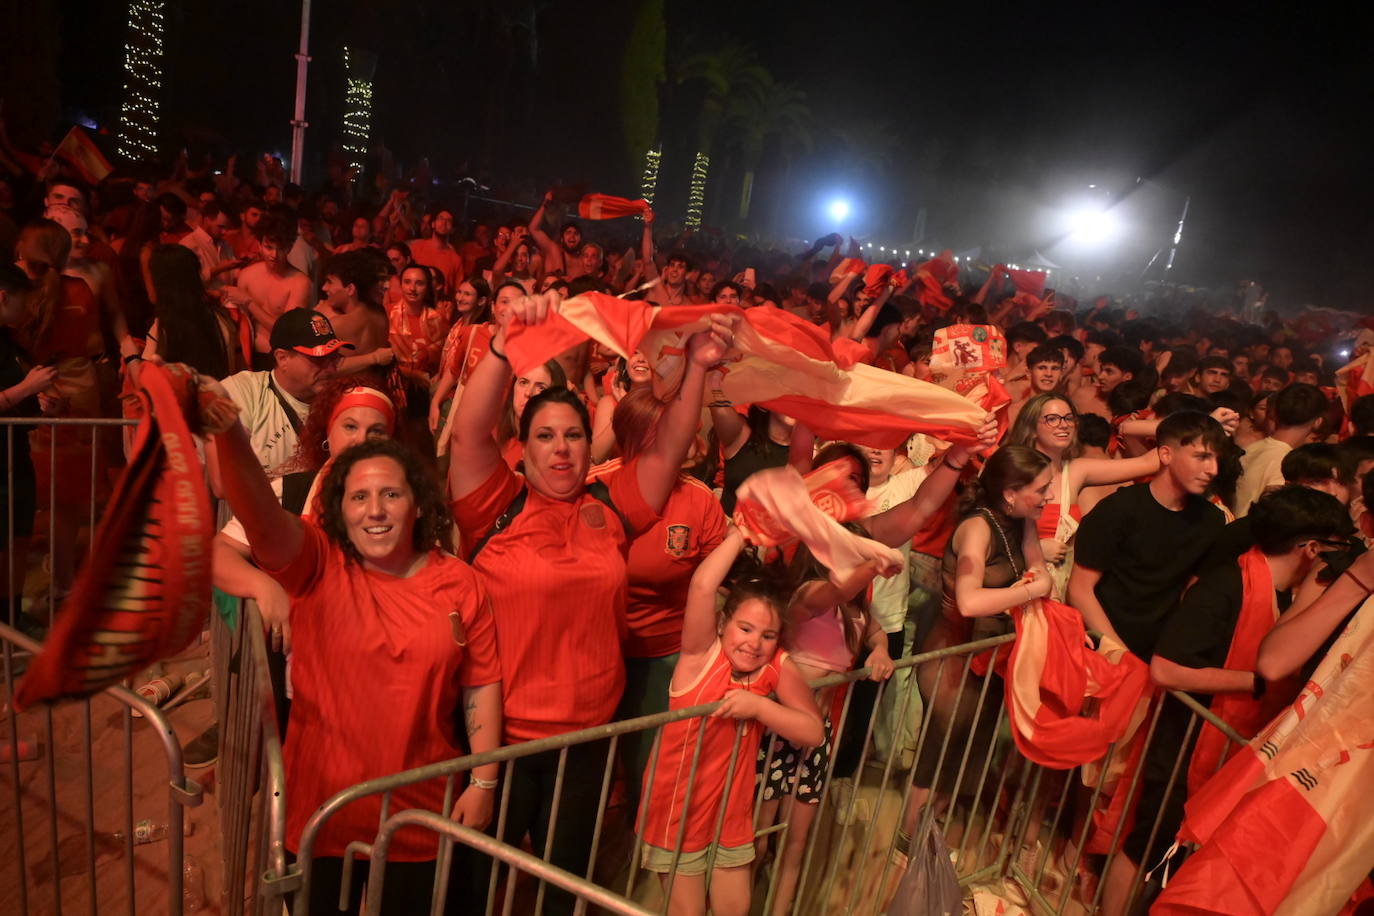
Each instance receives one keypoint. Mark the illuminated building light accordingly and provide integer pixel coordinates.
(648, 182)
(357, 119)
(141, 107)
(696, 198)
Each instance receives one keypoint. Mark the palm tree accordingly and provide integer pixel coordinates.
(768, 110)
(868, 147)
(726, 73)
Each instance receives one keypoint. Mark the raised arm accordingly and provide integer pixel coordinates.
(841, 287)
(820, 595)
(699, 618)
(536, 227)
(498, 270)
(1096, 472)
(661, 462)
(646, 248)
(801, 451)
(903, 521)
(731, 429)
(1300, 632)
(861, 327)
(473, 447)
(276, 534)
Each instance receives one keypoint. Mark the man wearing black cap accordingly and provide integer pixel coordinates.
(273, 404)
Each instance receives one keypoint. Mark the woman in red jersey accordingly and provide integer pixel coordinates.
(550, 550)
(378, 610)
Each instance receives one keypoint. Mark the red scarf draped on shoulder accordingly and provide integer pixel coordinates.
(1240, 710)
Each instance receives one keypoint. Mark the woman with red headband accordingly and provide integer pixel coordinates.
(550, 550)
(379, 609)
(345, 414)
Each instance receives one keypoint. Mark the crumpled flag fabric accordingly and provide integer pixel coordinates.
(144, 592)
(830, 489)
(1287, 825)
(604, 206)
(1052, 673)
(778, 361)
(783, 496)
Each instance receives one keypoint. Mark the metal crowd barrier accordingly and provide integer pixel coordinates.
(68, 811)
(1001, 815)
(251, 776)
(57, 811)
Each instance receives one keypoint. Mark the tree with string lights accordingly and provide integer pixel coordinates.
(140, 111)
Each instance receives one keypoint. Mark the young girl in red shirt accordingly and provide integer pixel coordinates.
(734, 657)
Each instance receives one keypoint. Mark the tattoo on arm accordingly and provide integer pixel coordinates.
(470, 717)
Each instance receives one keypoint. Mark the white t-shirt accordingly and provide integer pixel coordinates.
(211, 254)
(269, 429)
(1261, 468)
(888, 606)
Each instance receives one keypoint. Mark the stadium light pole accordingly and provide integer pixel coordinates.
(298, 123)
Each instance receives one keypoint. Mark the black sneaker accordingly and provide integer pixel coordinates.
(202, 750)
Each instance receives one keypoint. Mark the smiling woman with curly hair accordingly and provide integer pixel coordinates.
(379, 612)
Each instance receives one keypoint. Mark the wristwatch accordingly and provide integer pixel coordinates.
(1261, 685)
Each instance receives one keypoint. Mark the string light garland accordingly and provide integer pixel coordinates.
(357, 119)
(139, 113)
(648, 182)
(696, 198)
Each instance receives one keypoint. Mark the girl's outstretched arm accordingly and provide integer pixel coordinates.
(699, 617)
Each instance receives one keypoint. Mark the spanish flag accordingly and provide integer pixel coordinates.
(604, 206)
(144, 592)
(778, 361)
(79, 153)
(1287, 825)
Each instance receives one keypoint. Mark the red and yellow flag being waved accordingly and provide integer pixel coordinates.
(1287, 826)
(778, 361)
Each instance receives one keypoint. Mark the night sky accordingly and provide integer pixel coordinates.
(993, 118)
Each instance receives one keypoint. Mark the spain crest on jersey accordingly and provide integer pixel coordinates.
(679, 536)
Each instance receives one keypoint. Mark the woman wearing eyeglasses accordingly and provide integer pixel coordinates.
(1049, 424)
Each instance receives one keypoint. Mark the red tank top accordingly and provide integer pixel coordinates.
(666, 796)
(1049, 519)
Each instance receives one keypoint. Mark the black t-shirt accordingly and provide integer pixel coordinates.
(1146, 554)
(753, 456)
(1199, 633)
(1234, 540)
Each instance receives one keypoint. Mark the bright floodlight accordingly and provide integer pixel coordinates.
(838, 210)
(1091, 226)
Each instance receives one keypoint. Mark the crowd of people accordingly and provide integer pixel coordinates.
(455, 556)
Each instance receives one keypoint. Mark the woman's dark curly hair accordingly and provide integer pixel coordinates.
(312, 445)
(433, 522)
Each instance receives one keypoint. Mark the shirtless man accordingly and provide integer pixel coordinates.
(1115, 365)
(672, 289)
(1022, 337)
(559, 258)
(271, 286)
(353, 304)
(244, 240)
(1045, 371)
